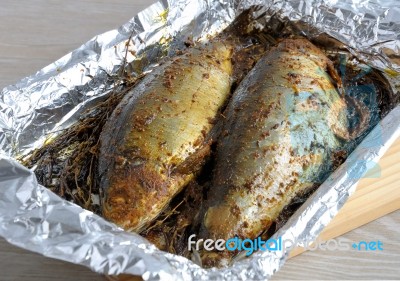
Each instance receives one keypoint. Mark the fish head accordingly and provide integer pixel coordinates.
(123, 200)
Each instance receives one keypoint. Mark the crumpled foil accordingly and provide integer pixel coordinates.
(35, 219)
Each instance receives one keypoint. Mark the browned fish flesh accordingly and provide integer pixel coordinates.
(284, 122)
(158, 136)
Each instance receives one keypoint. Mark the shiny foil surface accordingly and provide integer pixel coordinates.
(33, 110)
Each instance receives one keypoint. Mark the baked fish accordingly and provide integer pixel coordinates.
(159, 135)
(283, 124)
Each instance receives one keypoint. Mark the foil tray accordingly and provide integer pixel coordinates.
(35, 219)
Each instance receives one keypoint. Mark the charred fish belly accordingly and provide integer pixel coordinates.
(283, 122)
(156, 138)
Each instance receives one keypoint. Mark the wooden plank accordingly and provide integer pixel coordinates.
(124, 277)
(20, 265)
(373, 198)
(323, 264)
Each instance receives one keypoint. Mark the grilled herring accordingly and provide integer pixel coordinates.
(159, 135)
(284, 122)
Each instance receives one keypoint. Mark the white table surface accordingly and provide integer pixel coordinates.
(35, 33)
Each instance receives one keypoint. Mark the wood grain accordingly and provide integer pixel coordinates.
(377, 194)
(19, 265)
(352, 264)
(34, 33)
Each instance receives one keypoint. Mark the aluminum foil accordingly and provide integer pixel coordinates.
(38, 106)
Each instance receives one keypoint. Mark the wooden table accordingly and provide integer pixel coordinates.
(35, 33)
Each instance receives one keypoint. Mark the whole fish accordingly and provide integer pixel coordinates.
(283, 124)
(158, 136)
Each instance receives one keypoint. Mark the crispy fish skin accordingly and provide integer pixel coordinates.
(283, 122)
(156, 138)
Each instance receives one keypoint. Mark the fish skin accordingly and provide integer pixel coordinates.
(282, 125)
(157, 137)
